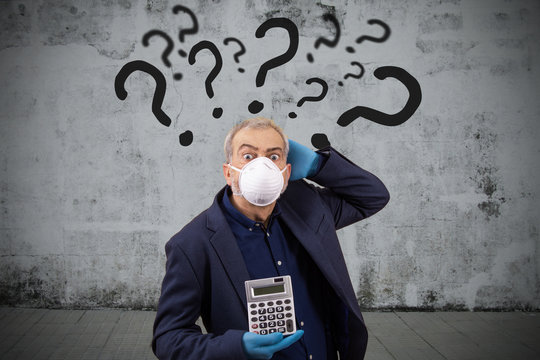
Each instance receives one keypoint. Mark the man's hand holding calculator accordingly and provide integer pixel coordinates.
(264, 346)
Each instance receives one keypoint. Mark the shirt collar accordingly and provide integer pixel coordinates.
(241, 218)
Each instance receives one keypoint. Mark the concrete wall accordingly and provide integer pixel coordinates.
(92, 186)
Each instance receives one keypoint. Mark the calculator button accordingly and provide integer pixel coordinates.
(271, 317)
(280, 316)
(271, 310)
(281, 329)
(253, 319)
(272, 331)
(279, 309)
(254, 326)
(288, 315)
(261, 304)
(281, 323)
(270, 303)
(253, 306)
(262, 318)
(279, 302)
(253, 312)
(262, 311)
(288, 308)
(289, 325)
(263, 325)
(264, 332)
(288, 301)
(271, 323)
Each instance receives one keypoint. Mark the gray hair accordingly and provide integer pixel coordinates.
(255, 123)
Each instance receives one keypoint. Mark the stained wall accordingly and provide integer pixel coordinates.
(93, 186)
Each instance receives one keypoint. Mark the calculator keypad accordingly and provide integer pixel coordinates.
(272, 316)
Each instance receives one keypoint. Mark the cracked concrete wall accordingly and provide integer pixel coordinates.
(92, 187)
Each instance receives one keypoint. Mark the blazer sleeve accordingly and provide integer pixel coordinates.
(176, 336)
(351, 193)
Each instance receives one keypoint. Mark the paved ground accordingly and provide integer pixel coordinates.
(120, 334)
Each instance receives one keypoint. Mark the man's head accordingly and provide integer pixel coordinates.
(251, 139)
(255, 123)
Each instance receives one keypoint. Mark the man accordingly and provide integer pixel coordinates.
(268, 222)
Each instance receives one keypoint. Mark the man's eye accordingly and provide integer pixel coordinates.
(248, 157)
(274, 157)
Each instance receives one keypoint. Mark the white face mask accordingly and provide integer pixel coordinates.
(260, 181)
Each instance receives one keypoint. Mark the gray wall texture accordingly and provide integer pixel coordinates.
(93, 186)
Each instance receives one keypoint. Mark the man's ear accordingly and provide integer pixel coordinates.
(227, 173)
(289, 168)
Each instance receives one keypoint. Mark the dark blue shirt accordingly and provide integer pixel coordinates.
(274, 251)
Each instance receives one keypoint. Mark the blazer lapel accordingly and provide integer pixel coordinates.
(311, 241)
(307, 233)
(226, 247)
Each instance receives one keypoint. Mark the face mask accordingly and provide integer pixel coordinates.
(260, 181)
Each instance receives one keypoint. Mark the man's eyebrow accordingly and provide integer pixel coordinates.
(274, 149)
(249, 146)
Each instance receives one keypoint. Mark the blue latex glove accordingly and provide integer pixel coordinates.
(303, 160)
(264, 346)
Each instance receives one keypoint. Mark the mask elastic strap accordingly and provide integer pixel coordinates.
(234, 168)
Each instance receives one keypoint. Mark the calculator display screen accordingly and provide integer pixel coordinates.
(274, 289)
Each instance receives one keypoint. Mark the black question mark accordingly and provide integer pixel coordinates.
(354, 76)
(192, 30)
(238, 53)
(381, 39)
(415, 97)
(312, 98)
(321, 40)
(292, 30)
(205, 44)
(166, 52)
(319, 140)
(159, 93)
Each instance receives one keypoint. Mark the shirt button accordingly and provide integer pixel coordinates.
(256, 224)
(301, 323)
(310, 357)
(279, 262)
(250, 229)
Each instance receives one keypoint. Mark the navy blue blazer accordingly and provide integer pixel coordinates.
(205, 270)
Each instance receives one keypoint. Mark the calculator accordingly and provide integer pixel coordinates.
(271, 305)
